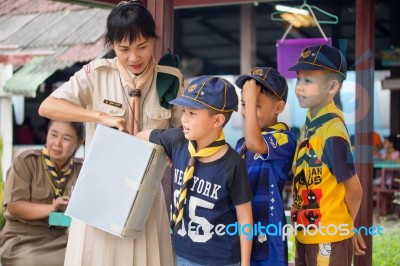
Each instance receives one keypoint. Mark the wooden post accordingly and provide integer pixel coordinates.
(6, 119)
(248, 46)
(394, 71)
(365, 44)
(163, 13)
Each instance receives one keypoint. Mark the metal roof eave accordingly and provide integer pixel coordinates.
(26, 81)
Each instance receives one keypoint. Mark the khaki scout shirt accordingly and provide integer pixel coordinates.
(27, 180)
(98, 86)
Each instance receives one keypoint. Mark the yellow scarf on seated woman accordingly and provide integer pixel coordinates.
(58, 179)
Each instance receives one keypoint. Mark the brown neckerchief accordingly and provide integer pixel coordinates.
(133, 123)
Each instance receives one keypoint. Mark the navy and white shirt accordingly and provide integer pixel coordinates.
(215, 189)
(268, 174)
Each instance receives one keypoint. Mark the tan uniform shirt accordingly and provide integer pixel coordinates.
(98, 86)
(31, 242)
(28, 180)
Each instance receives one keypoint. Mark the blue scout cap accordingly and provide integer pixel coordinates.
(209, 92)
(269, 79)
(321, 57)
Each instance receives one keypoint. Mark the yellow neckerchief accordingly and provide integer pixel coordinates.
(280, 126)
(57, 179)
(211, 149)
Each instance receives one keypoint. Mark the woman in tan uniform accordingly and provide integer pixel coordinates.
(40, 182)
(120, 93)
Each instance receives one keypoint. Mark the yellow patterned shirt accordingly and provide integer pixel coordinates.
(323, 162)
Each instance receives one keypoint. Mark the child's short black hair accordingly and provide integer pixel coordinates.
(226, 114)
(270, 94)
(336, 76)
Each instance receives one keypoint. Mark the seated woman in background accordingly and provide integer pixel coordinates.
(39, 182)
(391, 149)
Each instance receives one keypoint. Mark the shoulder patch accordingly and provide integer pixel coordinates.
(103, 62)
(281, 138)
(277, 139)
(87, 68)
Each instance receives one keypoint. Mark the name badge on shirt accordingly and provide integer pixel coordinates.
(119, 105)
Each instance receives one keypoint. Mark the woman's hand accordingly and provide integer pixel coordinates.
(60, 204)
(113, 121)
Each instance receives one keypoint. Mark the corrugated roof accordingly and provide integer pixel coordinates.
(18, 7)
(90, 30)
(11, 24)
(26, 81)
(73, 33)
(82, 52)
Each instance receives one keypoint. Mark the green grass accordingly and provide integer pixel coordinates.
(385, 248)
(291, 248)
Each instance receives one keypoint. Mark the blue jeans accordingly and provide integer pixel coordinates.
(267, 263)
(183, 262)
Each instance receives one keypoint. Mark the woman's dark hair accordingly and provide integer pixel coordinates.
(395, 140)
(79, 128)
(129, 20)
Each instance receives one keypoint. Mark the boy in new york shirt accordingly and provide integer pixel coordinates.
(211, 188)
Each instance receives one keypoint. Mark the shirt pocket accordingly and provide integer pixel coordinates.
(111, 110)
(41, 195)
(157, 118)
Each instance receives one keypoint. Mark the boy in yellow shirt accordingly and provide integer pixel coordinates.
(326, 189)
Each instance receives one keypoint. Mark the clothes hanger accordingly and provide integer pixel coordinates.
(275, 16)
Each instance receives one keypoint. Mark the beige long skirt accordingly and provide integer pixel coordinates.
(88, 245)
